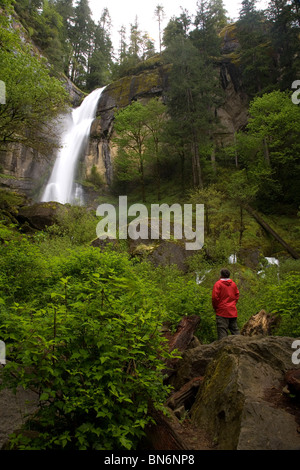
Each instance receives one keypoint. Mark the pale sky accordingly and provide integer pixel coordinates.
(123, 12)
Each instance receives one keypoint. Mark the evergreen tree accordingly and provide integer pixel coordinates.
(123, 44)
(48, 34)
(81, 35)
(174, 30)
(100, 61)
(285, 38)
(66, 10)
(210, 19)
(190, 100)
(160, 14)
(255, 55)
(135, 40)
(194, 91)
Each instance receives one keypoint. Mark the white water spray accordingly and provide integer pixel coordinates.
(61, 187)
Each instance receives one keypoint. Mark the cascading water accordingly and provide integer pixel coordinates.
(61, 187)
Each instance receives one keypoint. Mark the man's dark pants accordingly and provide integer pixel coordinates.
(225, 324)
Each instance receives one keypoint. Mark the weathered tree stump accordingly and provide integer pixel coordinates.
(262, 323)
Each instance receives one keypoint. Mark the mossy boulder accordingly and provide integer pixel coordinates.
(236, 401)
(40, 215)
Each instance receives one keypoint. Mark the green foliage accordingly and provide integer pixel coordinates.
(283, 299)
(94, 351)
(95, 177)
(76, 223)
(33, 96)
(270, 149)
(139, 140)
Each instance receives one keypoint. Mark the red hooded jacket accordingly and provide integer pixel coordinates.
(225, 295)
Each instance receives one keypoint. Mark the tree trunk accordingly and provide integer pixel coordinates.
(269, 229)
(235, 152)
(199, 181)
(213, 160)
(182, 161)
(267, 152)
(186, 395)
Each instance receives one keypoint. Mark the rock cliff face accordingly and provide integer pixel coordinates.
(143, 86)
(25, 171)
(151, 83)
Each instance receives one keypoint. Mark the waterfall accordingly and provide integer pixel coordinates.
(76, 130)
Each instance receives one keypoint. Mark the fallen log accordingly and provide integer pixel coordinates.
(186, 395)
(181, 340)
(165, 433)
(269, 229)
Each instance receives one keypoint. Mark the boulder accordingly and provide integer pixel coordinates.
(234, 403)
(40, 215)
(15, 409)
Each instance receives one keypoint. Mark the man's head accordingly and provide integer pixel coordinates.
(225, 273)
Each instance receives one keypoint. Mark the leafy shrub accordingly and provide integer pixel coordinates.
(284, 299)
(93, 353)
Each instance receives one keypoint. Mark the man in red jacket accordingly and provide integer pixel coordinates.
(225, 295)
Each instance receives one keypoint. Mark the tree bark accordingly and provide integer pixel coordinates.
(267, 152)
(181, 340)
(165, 433)
(262, 323)
(185, 395)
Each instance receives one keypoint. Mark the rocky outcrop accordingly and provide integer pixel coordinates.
(143, 86)
(23, 170)
(75, 94)
(40, 215)
(239, 402)
(153, 82)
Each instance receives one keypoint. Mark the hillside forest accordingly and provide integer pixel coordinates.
(81, 323)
